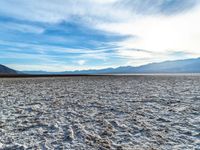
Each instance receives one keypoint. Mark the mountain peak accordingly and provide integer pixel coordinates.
(6, 70)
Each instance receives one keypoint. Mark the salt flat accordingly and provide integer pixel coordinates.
(108, 112)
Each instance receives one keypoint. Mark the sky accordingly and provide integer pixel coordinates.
(63, 35)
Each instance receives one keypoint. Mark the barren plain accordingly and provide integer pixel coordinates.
(100, 113)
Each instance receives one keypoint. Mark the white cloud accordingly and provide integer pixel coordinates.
(156, 36)
(81, 62)
(55, 11)
(52, 67)
(160, 35)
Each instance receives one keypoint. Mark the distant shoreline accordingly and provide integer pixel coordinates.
(79, 75)
(41, 75)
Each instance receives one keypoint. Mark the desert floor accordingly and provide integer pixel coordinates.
(99, 113)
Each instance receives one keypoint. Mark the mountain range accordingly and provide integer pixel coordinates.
(178, 66)
(6, 70)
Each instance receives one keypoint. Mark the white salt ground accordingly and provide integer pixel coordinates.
(100, 113)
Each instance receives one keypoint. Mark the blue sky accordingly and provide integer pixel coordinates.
(60, 35)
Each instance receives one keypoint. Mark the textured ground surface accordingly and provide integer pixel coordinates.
(130, 112)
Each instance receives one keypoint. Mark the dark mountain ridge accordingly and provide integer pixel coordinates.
(6, 70)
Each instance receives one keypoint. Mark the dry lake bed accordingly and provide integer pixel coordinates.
(100, 113)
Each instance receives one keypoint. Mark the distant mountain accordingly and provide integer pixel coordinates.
(40, 72)
(6, 70)
(178, 66)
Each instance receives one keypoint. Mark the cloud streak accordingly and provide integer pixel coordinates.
(154, 7)
(89, 33)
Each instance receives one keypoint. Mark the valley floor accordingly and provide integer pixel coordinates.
(108, 112)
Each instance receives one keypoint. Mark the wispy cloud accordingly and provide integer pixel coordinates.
(96, 33)
(81, 62)
(55, 11)
(155, 7)
(160, 35)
